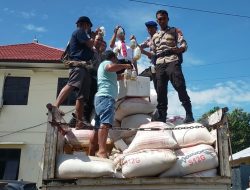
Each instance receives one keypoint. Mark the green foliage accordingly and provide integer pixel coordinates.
(239, 126)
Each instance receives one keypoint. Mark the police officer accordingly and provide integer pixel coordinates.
(169, 44)
(150, 72)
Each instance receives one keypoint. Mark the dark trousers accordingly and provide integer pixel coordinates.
(147, 73)
(89, 104)
(170, 72)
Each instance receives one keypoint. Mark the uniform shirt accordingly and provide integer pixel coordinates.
(149, 44)
(165, 40)
(118, 44)
(106, 81)
(78, 51)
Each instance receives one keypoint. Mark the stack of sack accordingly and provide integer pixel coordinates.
(170, 153)
(130, 113)
(150, 153)
(79, 165)
(196, 154)
(74, 162)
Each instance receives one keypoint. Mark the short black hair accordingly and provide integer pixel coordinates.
(164, 12)
(108, 55)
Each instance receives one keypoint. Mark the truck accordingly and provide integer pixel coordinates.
(54, 143)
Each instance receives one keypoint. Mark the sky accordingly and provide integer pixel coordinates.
(216, 64)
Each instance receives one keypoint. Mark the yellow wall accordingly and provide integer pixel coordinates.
(43, 89)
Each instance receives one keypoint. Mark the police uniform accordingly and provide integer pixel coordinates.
(168, 68)
(149, 44)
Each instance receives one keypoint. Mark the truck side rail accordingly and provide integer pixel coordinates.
(54, 145)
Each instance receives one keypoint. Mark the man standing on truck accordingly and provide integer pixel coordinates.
(80, 53)
(124, 52)
(169, 44)
(99, 47)
(150, 72)
(105, 102)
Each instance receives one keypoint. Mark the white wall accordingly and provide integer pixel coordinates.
(43, 89)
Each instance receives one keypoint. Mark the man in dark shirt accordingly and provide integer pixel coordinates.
(80, 53)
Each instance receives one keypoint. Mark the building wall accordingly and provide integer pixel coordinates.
(43, 89)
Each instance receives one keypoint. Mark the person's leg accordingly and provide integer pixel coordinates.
(84, 83)
(93, 143)
(105, 109)
(154, 81)
(66, 90)
(79, 113)
(162, 85)
(179, 84)
(89, 105)
(102, 139)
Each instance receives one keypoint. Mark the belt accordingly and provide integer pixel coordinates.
(165, 53)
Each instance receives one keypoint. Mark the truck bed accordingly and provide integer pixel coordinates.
(53, 146)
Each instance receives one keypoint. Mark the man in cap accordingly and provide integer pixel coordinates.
(168, 44)
(98, 48)
(150, 72)
(80, 53)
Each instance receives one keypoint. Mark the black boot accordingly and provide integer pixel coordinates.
(162, 116)
(189, 114)
(189, 118)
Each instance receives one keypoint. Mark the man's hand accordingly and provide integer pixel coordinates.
(116, 29)
(128, 66)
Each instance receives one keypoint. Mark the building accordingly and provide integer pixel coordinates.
(240, 163)
(31, 75)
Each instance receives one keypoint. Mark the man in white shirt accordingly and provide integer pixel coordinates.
(124, 52)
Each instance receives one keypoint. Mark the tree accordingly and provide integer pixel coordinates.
(239, 127)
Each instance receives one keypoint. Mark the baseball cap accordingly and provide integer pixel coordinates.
(84, 19)
(151, 23)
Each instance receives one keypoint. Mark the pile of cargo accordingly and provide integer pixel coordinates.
(142, 147)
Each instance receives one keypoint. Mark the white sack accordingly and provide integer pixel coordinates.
(133, 122)
(80, 137)
(147, 162)
(158, 139)
(128, 140)
(131, 106)
(193, 159)
(206, 173)
(80, 165)
(192, 137)
(115, 135)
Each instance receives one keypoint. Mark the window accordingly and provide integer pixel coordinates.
(9, 163)
(16, 90)
(71, 100)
